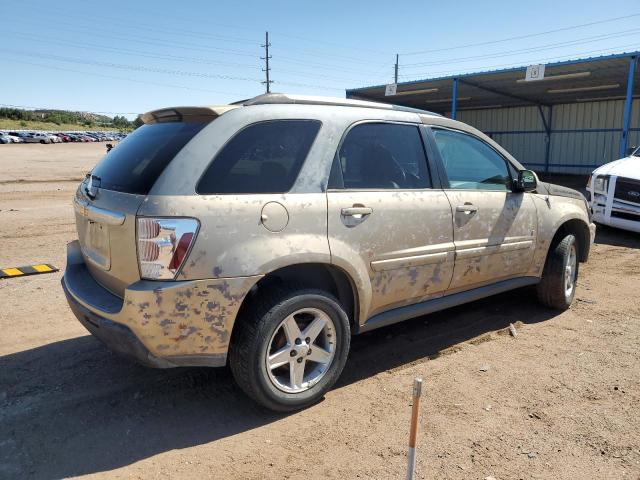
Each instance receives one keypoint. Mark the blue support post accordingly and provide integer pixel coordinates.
(547, 151)
(454, 98)
(627, 108)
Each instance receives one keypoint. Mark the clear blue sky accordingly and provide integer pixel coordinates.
(127, 57)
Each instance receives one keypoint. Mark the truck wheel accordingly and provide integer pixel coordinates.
(558, 284)
(290, 347)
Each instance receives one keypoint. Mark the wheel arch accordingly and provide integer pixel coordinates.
(321, 276)
(578, 228)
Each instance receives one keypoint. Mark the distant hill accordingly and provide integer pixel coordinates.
(66, 118)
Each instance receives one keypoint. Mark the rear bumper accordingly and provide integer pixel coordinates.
(160, 324)
(116, 336)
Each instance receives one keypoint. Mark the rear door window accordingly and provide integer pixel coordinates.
(265, 157)
(383, 156)
(135, 164)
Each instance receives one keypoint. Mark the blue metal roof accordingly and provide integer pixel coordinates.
(483, 88)
(511, 69)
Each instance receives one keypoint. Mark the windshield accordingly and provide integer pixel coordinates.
(135, 164)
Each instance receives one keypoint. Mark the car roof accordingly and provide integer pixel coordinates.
(173, 113)
(288, 99)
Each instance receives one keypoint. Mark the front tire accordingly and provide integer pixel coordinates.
(558, 284)
(290, 347)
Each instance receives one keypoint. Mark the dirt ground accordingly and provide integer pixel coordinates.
(560, 400)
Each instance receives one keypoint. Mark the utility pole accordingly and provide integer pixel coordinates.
(395, 77)
(266, 58)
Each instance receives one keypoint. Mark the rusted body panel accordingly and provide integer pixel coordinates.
(171, 319)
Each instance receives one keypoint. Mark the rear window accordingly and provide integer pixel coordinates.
(135, 164)
(265, 157)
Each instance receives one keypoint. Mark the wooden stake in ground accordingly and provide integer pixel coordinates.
(413, 432)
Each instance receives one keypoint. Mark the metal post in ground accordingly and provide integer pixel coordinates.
(413, 432)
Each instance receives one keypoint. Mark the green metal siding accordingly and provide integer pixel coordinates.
(577, 138)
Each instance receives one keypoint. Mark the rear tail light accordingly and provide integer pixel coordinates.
(163, 244)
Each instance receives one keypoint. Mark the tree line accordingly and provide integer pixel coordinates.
(60, 117)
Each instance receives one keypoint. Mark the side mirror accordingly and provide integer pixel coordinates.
(630, 150)
(527, 181)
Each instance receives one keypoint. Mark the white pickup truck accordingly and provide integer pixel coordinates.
(614, 193)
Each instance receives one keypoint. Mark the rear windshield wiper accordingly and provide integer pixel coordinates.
(92, 186)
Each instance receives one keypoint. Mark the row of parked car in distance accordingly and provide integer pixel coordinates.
(23, 136)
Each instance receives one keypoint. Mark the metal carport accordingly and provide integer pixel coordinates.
(581, 114)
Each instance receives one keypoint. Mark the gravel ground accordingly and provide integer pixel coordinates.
(560, 400)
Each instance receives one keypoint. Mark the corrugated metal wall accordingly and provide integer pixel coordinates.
(583, 135)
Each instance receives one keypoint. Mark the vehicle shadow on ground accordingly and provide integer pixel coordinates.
(72, 408)
(617, 237)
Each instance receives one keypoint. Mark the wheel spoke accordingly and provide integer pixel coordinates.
(319, 355)
(279, 358)
(313, 329)
(291, 329)
(296, 373)
(290, 347)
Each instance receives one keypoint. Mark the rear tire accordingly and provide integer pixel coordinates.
(289, 347)
(557, 288)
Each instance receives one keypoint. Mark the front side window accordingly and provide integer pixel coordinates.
(265, 157)
(383, 156)
(470, 163)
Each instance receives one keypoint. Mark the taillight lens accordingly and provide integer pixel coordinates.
(163, 244)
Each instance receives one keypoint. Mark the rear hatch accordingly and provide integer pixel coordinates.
(107, 200)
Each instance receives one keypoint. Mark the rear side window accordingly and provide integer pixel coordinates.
(383, 156)
(265, 157)
(135, 164)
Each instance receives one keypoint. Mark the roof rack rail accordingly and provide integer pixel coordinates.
(282, 98)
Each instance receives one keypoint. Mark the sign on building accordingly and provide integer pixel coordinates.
(390, 90)
(534, 72)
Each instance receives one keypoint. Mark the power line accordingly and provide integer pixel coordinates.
(422, 76)
(199, 47)
(315, 53)
(520, 37)
(183, 31)
(322, 87)
(337, 62)
(93, 31)
(186, 59)
(152, 28)
(168, 85)
(539, 48)
(127, 51)
(139, 68)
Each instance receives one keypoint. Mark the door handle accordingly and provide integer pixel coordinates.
(466, 208)
(353, 211)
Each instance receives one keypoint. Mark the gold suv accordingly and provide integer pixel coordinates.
(266, 233)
